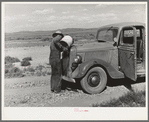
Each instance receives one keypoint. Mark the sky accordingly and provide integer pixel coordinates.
(53, 16)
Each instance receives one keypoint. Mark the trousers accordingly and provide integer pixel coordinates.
(65, 65)
(56, 75)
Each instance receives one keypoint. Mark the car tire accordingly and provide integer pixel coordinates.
(94, 81)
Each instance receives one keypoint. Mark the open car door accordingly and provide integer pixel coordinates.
(127, 52)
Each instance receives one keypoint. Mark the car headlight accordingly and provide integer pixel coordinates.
(78, 59)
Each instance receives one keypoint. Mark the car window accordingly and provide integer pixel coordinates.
(128, 35)
(107, 35)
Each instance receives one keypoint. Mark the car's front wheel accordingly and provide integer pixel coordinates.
(94, 81)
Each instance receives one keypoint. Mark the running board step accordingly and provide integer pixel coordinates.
(141, 71)
(68, 79)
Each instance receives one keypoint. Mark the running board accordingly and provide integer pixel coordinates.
(68, 79)
(141, 73)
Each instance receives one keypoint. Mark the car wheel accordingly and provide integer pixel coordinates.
(94, 81)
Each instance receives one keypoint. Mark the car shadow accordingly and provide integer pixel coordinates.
(111, 83)
(71, 86)
(124, 82)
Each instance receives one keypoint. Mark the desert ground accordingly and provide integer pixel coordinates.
(34, 91)
(39, 54)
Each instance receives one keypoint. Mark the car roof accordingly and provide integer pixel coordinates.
(123, 24)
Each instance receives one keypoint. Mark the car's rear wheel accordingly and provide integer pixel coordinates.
(94, 81)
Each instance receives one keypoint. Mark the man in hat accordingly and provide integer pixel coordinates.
(56, 48)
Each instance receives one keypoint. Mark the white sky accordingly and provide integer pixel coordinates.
(52, 16)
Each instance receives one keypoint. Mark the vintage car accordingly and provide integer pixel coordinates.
(117, 52)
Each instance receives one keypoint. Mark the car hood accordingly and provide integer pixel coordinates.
(93, 46)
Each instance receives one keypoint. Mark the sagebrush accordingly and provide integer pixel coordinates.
(27, 59)
(12, 71)
(25, 63)
(9, 59)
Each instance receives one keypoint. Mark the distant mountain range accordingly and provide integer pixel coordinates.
(66, 30)
(75, 32)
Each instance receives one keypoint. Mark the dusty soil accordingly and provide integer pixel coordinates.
(40, 55)
(35, 92)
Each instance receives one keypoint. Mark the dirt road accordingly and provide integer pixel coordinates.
(35, 92)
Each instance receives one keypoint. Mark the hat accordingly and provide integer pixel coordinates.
(57, 33)
(68, 39)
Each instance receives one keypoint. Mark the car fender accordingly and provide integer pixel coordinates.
(83, 68)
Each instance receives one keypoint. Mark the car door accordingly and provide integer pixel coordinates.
(127, 52)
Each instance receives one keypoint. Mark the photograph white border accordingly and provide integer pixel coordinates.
(68, 113)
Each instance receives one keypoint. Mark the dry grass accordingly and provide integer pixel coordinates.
(12, 71)
(131, 99)
(26, 70)
(77, 33)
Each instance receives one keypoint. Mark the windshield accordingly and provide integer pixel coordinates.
(107, 35)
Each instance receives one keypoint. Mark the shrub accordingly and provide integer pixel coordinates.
(27, 59)
(9, 60)
(7, 66)
(6, 71)
(25, 63)
(11, 71)
(38, 73)
(40, 67)
(30, 69)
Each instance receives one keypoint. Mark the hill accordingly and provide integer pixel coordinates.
(77, 33)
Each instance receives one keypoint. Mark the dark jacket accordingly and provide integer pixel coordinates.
(56, 47)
